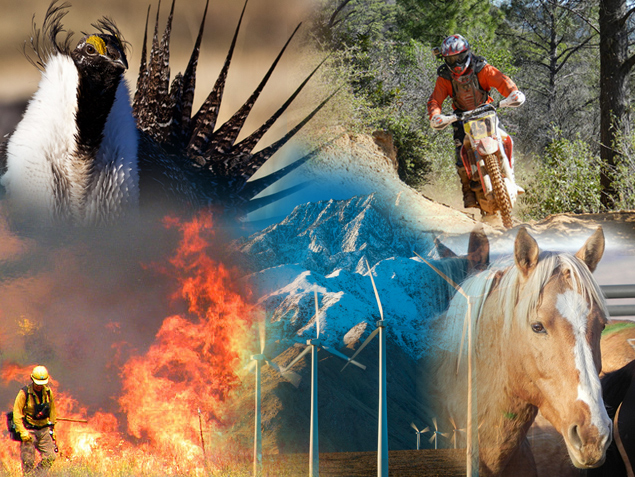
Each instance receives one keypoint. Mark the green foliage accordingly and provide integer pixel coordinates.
(382, 52)
(430, 22)
(624, 173)
(568, 180)
(341, 24)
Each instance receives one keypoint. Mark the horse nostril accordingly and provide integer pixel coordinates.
(574, 436)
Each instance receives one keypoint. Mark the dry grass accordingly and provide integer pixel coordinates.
(441, 463)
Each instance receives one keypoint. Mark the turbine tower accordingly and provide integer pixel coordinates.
(313, 346)
(257, 361)
(382, 431)
(455, 431)
(436, 433)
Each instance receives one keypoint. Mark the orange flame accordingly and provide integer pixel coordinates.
(190, 368)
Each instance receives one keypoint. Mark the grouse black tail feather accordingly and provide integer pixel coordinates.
(142, 80)
(249, 143)
(255, 204)
(204, 121)
(249, 168)
(223, 139)
(215, 169)
(256, 186)
(189, 83)
(155, 108)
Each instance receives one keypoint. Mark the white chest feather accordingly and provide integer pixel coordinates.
(43, 178)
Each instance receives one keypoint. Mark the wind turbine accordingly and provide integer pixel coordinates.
(436, 433)
(257, 361)
(419, 432)
(382, 428)
(313, 346)
(472, 412)
(455, 431)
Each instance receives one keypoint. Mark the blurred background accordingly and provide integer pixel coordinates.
(266, 26)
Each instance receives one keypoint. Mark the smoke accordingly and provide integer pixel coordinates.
(83, 302)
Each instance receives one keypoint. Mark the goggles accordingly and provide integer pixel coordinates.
(458, 59)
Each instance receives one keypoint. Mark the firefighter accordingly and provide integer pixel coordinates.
(467, 79)
(34, 417)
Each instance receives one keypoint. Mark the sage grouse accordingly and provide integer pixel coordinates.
(82, 154)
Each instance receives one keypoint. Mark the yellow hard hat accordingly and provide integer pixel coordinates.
(40, 375)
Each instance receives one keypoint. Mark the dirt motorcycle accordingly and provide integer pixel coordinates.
(487, 156)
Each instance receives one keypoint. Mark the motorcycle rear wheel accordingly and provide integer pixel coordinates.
(503, 201)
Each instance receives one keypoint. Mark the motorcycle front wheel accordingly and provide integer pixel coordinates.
(503, 201)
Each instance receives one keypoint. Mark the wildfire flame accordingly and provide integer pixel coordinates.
(191, 366)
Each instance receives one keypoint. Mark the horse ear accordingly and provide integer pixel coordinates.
(478, 250)
(442, 250)
(526, 252)
(592, 250)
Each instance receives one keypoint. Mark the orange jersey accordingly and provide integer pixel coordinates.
(488, 77)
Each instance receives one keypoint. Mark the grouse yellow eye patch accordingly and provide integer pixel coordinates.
(98, 43)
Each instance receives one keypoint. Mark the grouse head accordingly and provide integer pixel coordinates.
(100, 56)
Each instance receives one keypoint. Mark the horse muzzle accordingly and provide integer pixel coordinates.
(587, 445)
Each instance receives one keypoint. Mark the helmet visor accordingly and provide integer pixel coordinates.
(456, 60)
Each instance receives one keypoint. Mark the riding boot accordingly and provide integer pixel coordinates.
(469, 197)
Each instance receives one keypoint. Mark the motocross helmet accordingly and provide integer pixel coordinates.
(456, 53)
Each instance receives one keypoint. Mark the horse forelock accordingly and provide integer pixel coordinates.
(520, 300)
(517, 298)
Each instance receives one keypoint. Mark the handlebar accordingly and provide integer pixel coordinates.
(467, 115)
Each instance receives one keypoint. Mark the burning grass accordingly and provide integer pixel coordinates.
(173, 412)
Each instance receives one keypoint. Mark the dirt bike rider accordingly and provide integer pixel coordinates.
(467, 79)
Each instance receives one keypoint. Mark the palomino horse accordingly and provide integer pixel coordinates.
(537, 325)
(618, 341)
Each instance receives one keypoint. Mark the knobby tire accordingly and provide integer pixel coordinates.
(503, 201)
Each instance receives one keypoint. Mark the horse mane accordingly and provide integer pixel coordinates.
(519, 300)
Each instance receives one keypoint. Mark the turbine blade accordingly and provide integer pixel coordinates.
(434, 436)
(465, 325)
(342, 356)
(250, 366)
(434, 421)
(317, 311)
(412, 424)
(297, 358)
(425, 429)
(381, 311)
(453, 423)
(368, 340)
(261, 333)
(292, 377)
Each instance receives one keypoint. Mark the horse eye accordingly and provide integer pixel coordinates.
(538, 327)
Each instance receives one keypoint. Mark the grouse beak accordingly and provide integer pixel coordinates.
(117, 57)
(123, 62)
